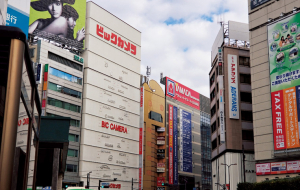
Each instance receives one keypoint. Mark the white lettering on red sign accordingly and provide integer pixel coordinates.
(114, 127)
(113, 38)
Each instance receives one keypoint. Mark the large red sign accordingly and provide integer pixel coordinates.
(263, 169)
(170, 144)
(278, 120)
(182, 93)
(117, 40)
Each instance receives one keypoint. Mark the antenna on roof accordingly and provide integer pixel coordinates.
(220, 19)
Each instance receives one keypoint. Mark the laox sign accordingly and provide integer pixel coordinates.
(113, 38)
(114, 127)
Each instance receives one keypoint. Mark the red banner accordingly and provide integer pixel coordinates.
(170, 144)
(160, 181)
(278, 120)
(182, 93)
(141, 141)
(263, 169)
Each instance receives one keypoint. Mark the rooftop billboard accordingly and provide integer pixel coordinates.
(62, 21)
(182, 93)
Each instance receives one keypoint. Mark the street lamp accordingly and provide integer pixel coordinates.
(228, 172)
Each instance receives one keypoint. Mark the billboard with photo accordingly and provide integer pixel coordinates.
(62, 21)
(284, 60)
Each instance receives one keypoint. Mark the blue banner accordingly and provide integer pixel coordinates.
(187, 141)
(17, 18)
(175, 146)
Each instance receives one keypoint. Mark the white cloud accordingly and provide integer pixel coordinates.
(163, 45)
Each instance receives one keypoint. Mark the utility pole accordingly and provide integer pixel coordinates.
(244, 165)
(99, 185)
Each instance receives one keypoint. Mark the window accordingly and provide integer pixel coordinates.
(218, 122)
(213, 127)
(246, 97)
(73, 122)
(212, 79)
(214, 144)
(63, 105)
(71, 168)
(247, 115)
(212, 94)
(64, 61)
(64, 90)
(73, 138)
(245, 78)
(65, 76)
(217, 104)
(155, 116)
(217, 87)
(247, 135)
(213, 110)
(73, 153)
(219, 140)
(31, 52)
(245, 61)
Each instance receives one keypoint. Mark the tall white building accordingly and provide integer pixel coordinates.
(109, 146)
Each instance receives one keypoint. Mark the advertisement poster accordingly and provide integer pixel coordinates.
(186, 141)
(293, 166)
(182, 93)
(60, 21)
(278, 120)
(170, 144)
(221, 109)
(234, 112)
(257, 3)
(278, 167)
(263, 169)
(175, 146)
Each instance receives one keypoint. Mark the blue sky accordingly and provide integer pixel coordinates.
(177, 35)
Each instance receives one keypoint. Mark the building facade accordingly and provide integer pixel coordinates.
(109, 146)
(231, 113)
(154, 167)
(274, 37)
(60, 91)
(205, 143)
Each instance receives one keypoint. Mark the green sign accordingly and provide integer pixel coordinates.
(77, 58)
(283, 46)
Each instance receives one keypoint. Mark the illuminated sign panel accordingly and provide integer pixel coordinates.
(182, 93)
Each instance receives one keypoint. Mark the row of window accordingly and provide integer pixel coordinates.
(63, 105)
(73, 122)
(64, 75)
(64, 61)
(64, 90)
(72, 153)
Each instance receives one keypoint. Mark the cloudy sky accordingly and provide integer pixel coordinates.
(177, 35)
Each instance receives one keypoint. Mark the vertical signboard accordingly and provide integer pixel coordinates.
(60, 21)
(186, 141)
(141, 139)
(221, 109)
(170, 144)
(181, 140)
(284, 60)
(175, 148)
(18, 14)
(45, 88)
(233, 87)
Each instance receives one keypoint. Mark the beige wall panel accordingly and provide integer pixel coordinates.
(263, 139)
(106, 156)
(264, 155)
(96, 139)
(263, 147)
(259, 68)
(260, 60)
(92, 30)
(266, 129)
(111, 85)
(64, 115)
(108, 112)
(258, 32)
(262, 106)
(115, 24)
(260, 44)
(63, 97)
(112, 53)
(260, 83)
(261, 91)
(111, 99)
(277, 12)
(260, 53)
(260, 75)
(58, 111)
(262, 114)
(65, 83)
(66, 69)
(114, 70)
(258, 13)
(261, 99)
(95, 124)
(259, 21)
